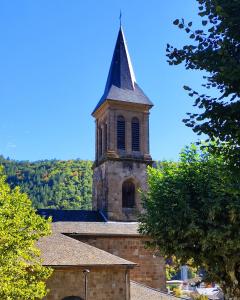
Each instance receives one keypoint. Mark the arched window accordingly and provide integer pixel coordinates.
(135, 135)
(72, 298)
(128, 194)
(105, 137)
(100, 141)
(121, 133)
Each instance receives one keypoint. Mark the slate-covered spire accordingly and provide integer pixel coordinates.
(121, 72)
(121, 82)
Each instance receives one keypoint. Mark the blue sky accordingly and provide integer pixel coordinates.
(54, 61)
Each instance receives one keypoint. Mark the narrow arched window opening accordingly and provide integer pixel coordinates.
(128, 194)
(135, 135)
(121, 133)
(105, 137)
(100, 141)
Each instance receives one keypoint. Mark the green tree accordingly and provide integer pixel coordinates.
(215, 48)
(192, 212)
(21, 274)
(52, 183)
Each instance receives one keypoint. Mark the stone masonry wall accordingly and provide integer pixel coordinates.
(103, 283)
(107, 188)
(107, 116)
(151, 267)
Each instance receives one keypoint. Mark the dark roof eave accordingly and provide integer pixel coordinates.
(59, 215)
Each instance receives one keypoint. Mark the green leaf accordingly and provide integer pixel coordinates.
(21, 274)
(176, 22)
(187, 88)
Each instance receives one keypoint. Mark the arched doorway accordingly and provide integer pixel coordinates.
(72, 298)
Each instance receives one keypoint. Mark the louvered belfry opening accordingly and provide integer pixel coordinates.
(135, 135)
(128, 194)
(121, 133)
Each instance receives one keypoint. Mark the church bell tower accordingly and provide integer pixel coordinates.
(122, 140)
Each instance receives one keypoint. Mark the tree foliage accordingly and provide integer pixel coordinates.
(21, 274)
(192, 212)
(215, 48)
(52, 183)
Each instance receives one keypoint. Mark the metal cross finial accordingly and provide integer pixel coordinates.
(120, 18)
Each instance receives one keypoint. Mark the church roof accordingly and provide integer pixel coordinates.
(60, 250)
(87, 222)
(140, 291)
(121, 82)
(97, 228)
(60, 215)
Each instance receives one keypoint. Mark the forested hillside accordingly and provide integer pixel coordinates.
(52, 183)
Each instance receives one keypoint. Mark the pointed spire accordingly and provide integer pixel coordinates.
(121, 72)
(121, 82)
(120, 18)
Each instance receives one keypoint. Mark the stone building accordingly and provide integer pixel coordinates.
(122, 140)
(101, 252)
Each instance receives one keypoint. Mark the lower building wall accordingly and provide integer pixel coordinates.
(103, 283)
(150, 269)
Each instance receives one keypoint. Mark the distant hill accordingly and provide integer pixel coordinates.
(52, 183)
